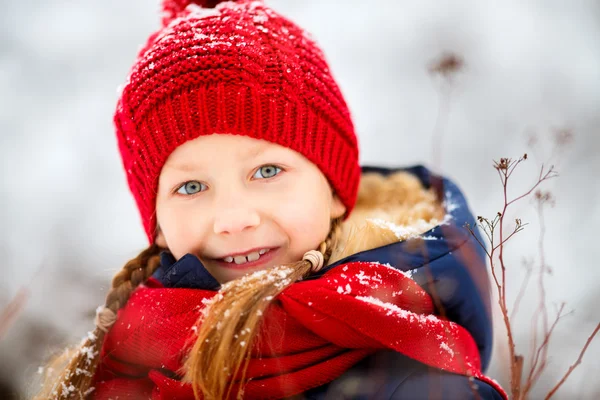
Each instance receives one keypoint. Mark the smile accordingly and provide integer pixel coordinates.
(250, 260)
(242, 259)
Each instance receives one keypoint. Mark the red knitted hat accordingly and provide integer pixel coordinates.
(237, 68)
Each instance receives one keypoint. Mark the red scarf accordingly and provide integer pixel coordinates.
(315, 331)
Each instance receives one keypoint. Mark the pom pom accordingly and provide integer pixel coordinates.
(171, 9)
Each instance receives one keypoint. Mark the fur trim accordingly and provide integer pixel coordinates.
(388, 209)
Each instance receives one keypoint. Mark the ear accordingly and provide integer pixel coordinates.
(160, 238)
(337, 207)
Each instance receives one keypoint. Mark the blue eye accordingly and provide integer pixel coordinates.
(267, 171)
(191, 187)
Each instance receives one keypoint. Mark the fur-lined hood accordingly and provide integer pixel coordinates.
(392, 206)
(415, 221)
(412, 220)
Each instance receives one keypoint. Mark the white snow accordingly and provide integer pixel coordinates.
(404, 232)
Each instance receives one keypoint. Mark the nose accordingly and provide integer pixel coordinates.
(235, 220)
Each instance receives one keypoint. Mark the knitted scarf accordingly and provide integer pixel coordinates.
(313, 332)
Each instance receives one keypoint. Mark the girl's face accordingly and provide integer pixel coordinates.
(242, 204)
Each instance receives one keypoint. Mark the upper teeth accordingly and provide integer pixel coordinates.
(246, 258)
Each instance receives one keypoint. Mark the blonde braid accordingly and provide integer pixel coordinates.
(73, 381)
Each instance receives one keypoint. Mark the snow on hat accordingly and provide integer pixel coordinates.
(233, 67)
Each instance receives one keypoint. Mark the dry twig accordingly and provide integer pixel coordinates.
(494, 230)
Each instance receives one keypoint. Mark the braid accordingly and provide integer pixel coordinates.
(135, 272)
(73, 381)
(328, 246)
(231, 320)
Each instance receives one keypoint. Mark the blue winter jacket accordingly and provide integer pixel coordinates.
(452, 267)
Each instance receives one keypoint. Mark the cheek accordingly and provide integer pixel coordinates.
(306, 222)
(178, 231)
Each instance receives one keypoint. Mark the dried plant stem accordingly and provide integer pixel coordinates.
(540, 354)
(572, 367)
(505, 168)
(12, 310)
(540, 359)
(519, 388)
(521, 293)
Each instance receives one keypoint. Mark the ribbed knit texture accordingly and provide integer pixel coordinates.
(238, 68)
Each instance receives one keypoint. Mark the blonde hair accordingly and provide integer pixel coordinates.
(74, 379)
(226, 329)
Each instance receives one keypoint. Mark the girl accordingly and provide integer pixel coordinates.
(269, 273)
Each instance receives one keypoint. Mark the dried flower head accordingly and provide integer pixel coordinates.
(447, 65)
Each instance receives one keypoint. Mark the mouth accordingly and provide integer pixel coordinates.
(249, 260)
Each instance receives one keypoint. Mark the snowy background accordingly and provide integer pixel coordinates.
(531, 67)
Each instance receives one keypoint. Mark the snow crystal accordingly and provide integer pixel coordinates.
(364, 279)
(410, 273)
(260, 18)
(346, 290)
(445, 346)
(449, 203)
(256, 5)
(67, 390)
(394, 309)
(243, 343)
(282, 273)
(217, 43)
(79, 371)
(404, 232)
(271, 275)
(89, 352)
(345, 268)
